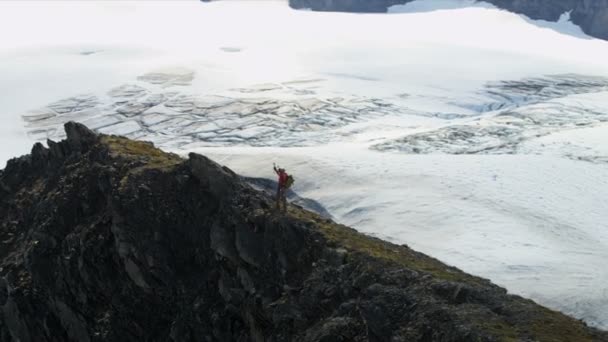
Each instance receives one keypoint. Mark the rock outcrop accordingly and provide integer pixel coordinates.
(107, 239)
(590, 15)
(357, 6)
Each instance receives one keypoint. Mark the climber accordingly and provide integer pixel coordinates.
(285, 181)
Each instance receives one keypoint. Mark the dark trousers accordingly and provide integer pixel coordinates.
(281, 198)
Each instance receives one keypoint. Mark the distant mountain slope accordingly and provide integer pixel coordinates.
(108, 239)
(590, 15)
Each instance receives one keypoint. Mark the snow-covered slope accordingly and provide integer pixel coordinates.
(472, 134)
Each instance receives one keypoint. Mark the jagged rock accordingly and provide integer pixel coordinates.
(55, 149)
(79, 137)
(220, 181)
(107, 239)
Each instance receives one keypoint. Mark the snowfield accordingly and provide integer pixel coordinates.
(472, 134)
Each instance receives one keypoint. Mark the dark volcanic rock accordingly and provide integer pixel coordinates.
(107, 239)
(590, 15)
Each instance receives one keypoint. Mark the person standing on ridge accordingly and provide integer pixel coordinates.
(285, 181)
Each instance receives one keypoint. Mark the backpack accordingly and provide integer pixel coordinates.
(289, 181)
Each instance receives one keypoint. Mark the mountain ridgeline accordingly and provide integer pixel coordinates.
(107, 239)
(590, 15)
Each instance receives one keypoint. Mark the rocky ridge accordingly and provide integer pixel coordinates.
(107, 239)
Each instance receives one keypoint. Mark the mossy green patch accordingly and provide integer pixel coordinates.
(553, 326)
(143, 152)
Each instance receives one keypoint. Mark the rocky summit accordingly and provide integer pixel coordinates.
(107, 239)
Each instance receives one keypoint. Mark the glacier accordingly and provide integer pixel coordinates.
(474, 135)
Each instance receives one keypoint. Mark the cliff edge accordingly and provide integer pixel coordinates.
(107, 239)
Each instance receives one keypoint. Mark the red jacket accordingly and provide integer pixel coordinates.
(282, 178)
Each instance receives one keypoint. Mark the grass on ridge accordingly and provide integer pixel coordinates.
(152, 157)
(544, 324)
